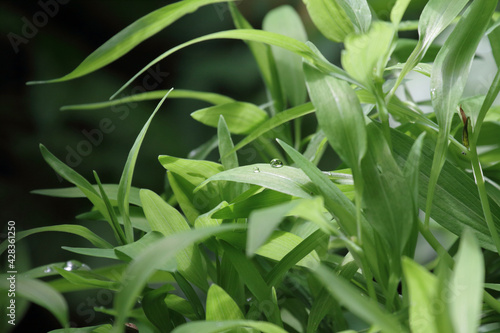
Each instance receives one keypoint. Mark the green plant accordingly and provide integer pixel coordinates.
(284, 246)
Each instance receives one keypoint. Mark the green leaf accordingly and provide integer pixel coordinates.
(228, 160)
(191, 295)
(466, 288)
(279, 119)
(76, 179)
(458, 206)
(154, 255)
(366, 55)
(153, 304)
(84, 278)
(286, 179)
(362, 306)
(184, 175)
(113, 221)
(74, 192)
(359, 13)
(92, 252)
(330, 18)
(211, 98)
(262, 222)
(398, 11)
(131, 251)
(167, 220)
(266, 37)
(226, 326)
(39, 293)
(265, 61)
(285, 20)
(242, 208)
(128, 172)
(339, 115)
(423, 290)
(254, 282)
(387, 199)
(449, 76)
(281, 243)
(305, 247)
(68, 228)
(241, 118)
(220, 306)
(131, 36)
(435, 17)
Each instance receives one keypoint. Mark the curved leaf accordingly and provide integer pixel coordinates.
(285, 20)
(131, 36)
(159, 253)
(240, 117)
(68, 228)
(266, 37)
(211, 98)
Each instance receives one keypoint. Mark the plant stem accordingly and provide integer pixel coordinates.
(384, 114)
(483, 195)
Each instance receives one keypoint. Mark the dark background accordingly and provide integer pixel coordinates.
(30, 115)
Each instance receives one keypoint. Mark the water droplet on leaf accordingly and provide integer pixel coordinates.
(48, 269)
(256, 170)
(275, 163)
(73, 265)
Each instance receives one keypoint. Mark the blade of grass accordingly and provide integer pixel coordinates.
(285, 20)
(241, 118)
(128, 172)
(467, 289)
(164, 218)
(113, 221)
(211, 98)
(228, 160)
(365, 308)
(266, 37)
(220, 306)
(74, 192)
(161, 252)
(476, 166)
(435, 17)
(449, 76)
(68, 228)
(131, 36)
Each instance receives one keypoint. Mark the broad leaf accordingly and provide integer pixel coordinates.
(167, 220)
(466, 288)
(241, 118)
(285, 20)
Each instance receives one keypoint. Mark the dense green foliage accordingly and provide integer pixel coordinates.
(284, 246)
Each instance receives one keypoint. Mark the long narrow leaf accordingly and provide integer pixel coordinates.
(131, 36)
(128, 172)
(156, 254)
(211, 98)
(68, 228)
(449, 76)
(266, 37)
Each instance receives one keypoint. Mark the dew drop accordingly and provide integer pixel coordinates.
(48, 269)
(72, 265)
(275, 163)
(256, 170)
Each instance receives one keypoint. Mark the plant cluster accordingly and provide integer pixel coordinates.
(284, 246)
